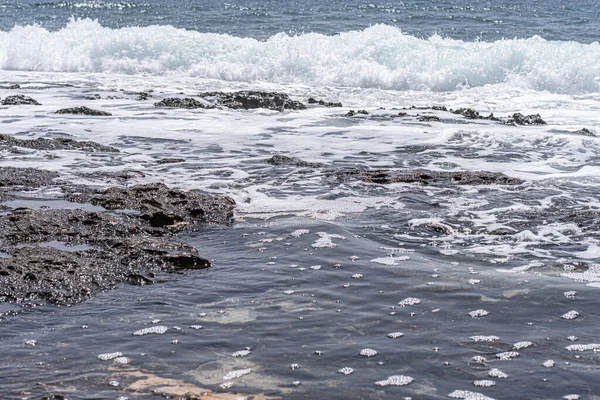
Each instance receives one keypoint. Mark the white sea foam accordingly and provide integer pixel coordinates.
(380, 56)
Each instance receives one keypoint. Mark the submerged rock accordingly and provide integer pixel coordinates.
(83, 110)
(585, 132)
(470, 113)
(279, 159)
(520, 119)
(162, 206)
(254, 99)
(383, 176)
(189, 103)
(353, 113)
(19, 99)
(54, 144)
(28, 177)
(324, 103)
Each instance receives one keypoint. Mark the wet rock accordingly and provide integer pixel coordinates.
(428, 118)
(83, 110)
(520, 119)
(170, 160)
(162, 206)
(112, 176)
(189, 103)
(470, 113)
(324, 103)
(285, 160)
(254, 99)
(382, 176)
(19, 99)
(28, 177)
(353, 113)
(54, 144)
(585, 132)
(435, 108)
(124, 252)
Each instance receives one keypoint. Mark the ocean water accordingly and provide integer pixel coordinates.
(448, 283)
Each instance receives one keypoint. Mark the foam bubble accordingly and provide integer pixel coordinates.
(158, 330)
(368, 352)
(478, 313)
(109, 356)
(236, 374)
(409, 301)
(395, 380)
(468, 395)
(496, 373)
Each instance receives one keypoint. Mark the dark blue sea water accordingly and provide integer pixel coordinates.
(466, 20)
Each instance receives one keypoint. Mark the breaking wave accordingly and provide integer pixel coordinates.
(378, 57)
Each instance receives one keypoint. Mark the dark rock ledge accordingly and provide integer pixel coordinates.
(8, 141)
(63, 256)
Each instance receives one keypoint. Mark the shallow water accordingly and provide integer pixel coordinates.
(245, 301)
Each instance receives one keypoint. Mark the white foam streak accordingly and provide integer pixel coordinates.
(378, 57)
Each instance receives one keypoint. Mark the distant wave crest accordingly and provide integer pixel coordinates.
(378, 57)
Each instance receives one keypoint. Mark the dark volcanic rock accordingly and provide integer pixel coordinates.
(469, 113)
(324, 103)
(54, 144)
(19, 99)
(428, 118)
(121, 253)
(162, 206)
(427, 177)
(520, 119)
(83, 110)
(28, 177)
(585, 132)
(175, 102)
(353, 113)
(254, 99)
(285, 160)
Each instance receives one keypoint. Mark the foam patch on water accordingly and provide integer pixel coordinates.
(368, 352)
(507, 355)
(571, 315)
(478, 313)
(522, 345)
(109, 356)
(496, 373)
(395, 380)
(468, 395)
(484, 383)
(237, 374)
(390, 260)
(157, 330)
(584, 347)
(326, 240)
(346, 371)
(409, 301)
(482, 338)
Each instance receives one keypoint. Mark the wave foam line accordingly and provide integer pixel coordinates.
(377, 57)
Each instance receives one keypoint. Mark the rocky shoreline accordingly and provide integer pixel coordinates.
(63, 256)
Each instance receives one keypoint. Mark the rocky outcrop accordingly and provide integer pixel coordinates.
(520, 119)
(18, 100)
(162, 206)
(189, 103)
(383, 176)
(83, 110)
(54, 144)
(253, 99)
(26, 177)
(285, 160)
(324, 103)
(118, 247)
(120, 253)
